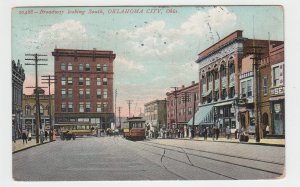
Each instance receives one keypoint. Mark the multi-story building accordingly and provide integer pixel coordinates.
(18, 77)
(84, 88)
(272, 91)
(29, 111)
(183, 98)
(156, 114)
(220, 73)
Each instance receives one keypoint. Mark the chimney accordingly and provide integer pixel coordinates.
(182, 86)
(193, 82)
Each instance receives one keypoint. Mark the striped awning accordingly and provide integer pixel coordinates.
(201, 115)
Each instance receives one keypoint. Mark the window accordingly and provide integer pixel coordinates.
(87, 106)
(227, 112)
(243, 89)
(27, 110)
(104, 67)
(70, 67)
(63, 107)
(80, 93)
(104, 81)
(189, 110)
(80, 67)
(98, 81)
(70, 93)
(81, 107)
(223, 71)
(87, 67)
(249, 88)
(99, 67)
(232, 92)
(105, 93)
(231, 68)
(98, 93)
(105, 107)
(63, 66)
(80, 80)
(210, 76)
(87, 81)
(265, 85)
(70, 80)
(41, 110)
(63, 93)
(224, 94)
(276, 76)
(98, 107)
(70, 107)
(87, 93)
(63, 81)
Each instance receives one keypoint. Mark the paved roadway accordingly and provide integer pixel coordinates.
(114, 158)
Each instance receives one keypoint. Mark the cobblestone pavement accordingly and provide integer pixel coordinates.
(114, 158)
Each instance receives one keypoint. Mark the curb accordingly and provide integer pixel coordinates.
(29, 147)
(221, 141)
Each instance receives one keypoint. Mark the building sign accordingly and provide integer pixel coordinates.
(277, 91)
(277, 108)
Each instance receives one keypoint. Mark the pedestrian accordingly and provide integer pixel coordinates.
(227, 131)
(236, 134)
(24, 137)
(29, 136)
(50, 135)
(46, 135)
(217, 133)
(42, 137)
(267, 130)
(213, 131)
(205, 133)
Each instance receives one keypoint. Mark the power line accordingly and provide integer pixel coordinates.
(36, 59)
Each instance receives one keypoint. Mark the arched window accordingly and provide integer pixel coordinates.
(27, 110)
(231, 68)
(210, 76)
(41, 109)
(222, 71)
(216, 75)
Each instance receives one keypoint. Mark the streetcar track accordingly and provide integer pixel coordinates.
(218, 160)
(205, 169)
(223, 154)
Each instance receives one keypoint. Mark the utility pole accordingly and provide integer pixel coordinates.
(36, 59)
(194, 111)
(49, 80)
(129, 103)
(120, 117)
(175, 92)
(116, 92)
(255, 66)
(185, 98)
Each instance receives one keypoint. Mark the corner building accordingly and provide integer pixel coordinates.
(84, 88)
(226, 86)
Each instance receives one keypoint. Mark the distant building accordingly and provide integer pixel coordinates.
(185, 105)
(156, 114)
(29, 111)
(18, 77)
(84, 89)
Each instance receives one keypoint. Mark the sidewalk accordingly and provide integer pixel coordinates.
(271, 142)
(18, 146)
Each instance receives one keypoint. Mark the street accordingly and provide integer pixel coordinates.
(115, 158)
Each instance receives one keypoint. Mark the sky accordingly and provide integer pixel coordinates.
(155, 47)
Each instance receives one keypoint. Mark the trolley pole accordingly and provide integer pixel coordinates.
(36, 59)
(49, 80)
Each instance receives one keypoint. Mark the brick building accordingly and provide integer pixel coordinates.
(272, 91)
(224, 81)
(185, 101)
(84, 89)
(156, 114)
(29, 111)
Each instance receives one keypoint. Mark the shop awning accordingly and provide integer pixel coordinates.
(201, 115)
(224, 103)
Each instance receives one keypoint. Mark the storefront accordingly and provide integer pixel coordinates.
(277, 108)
